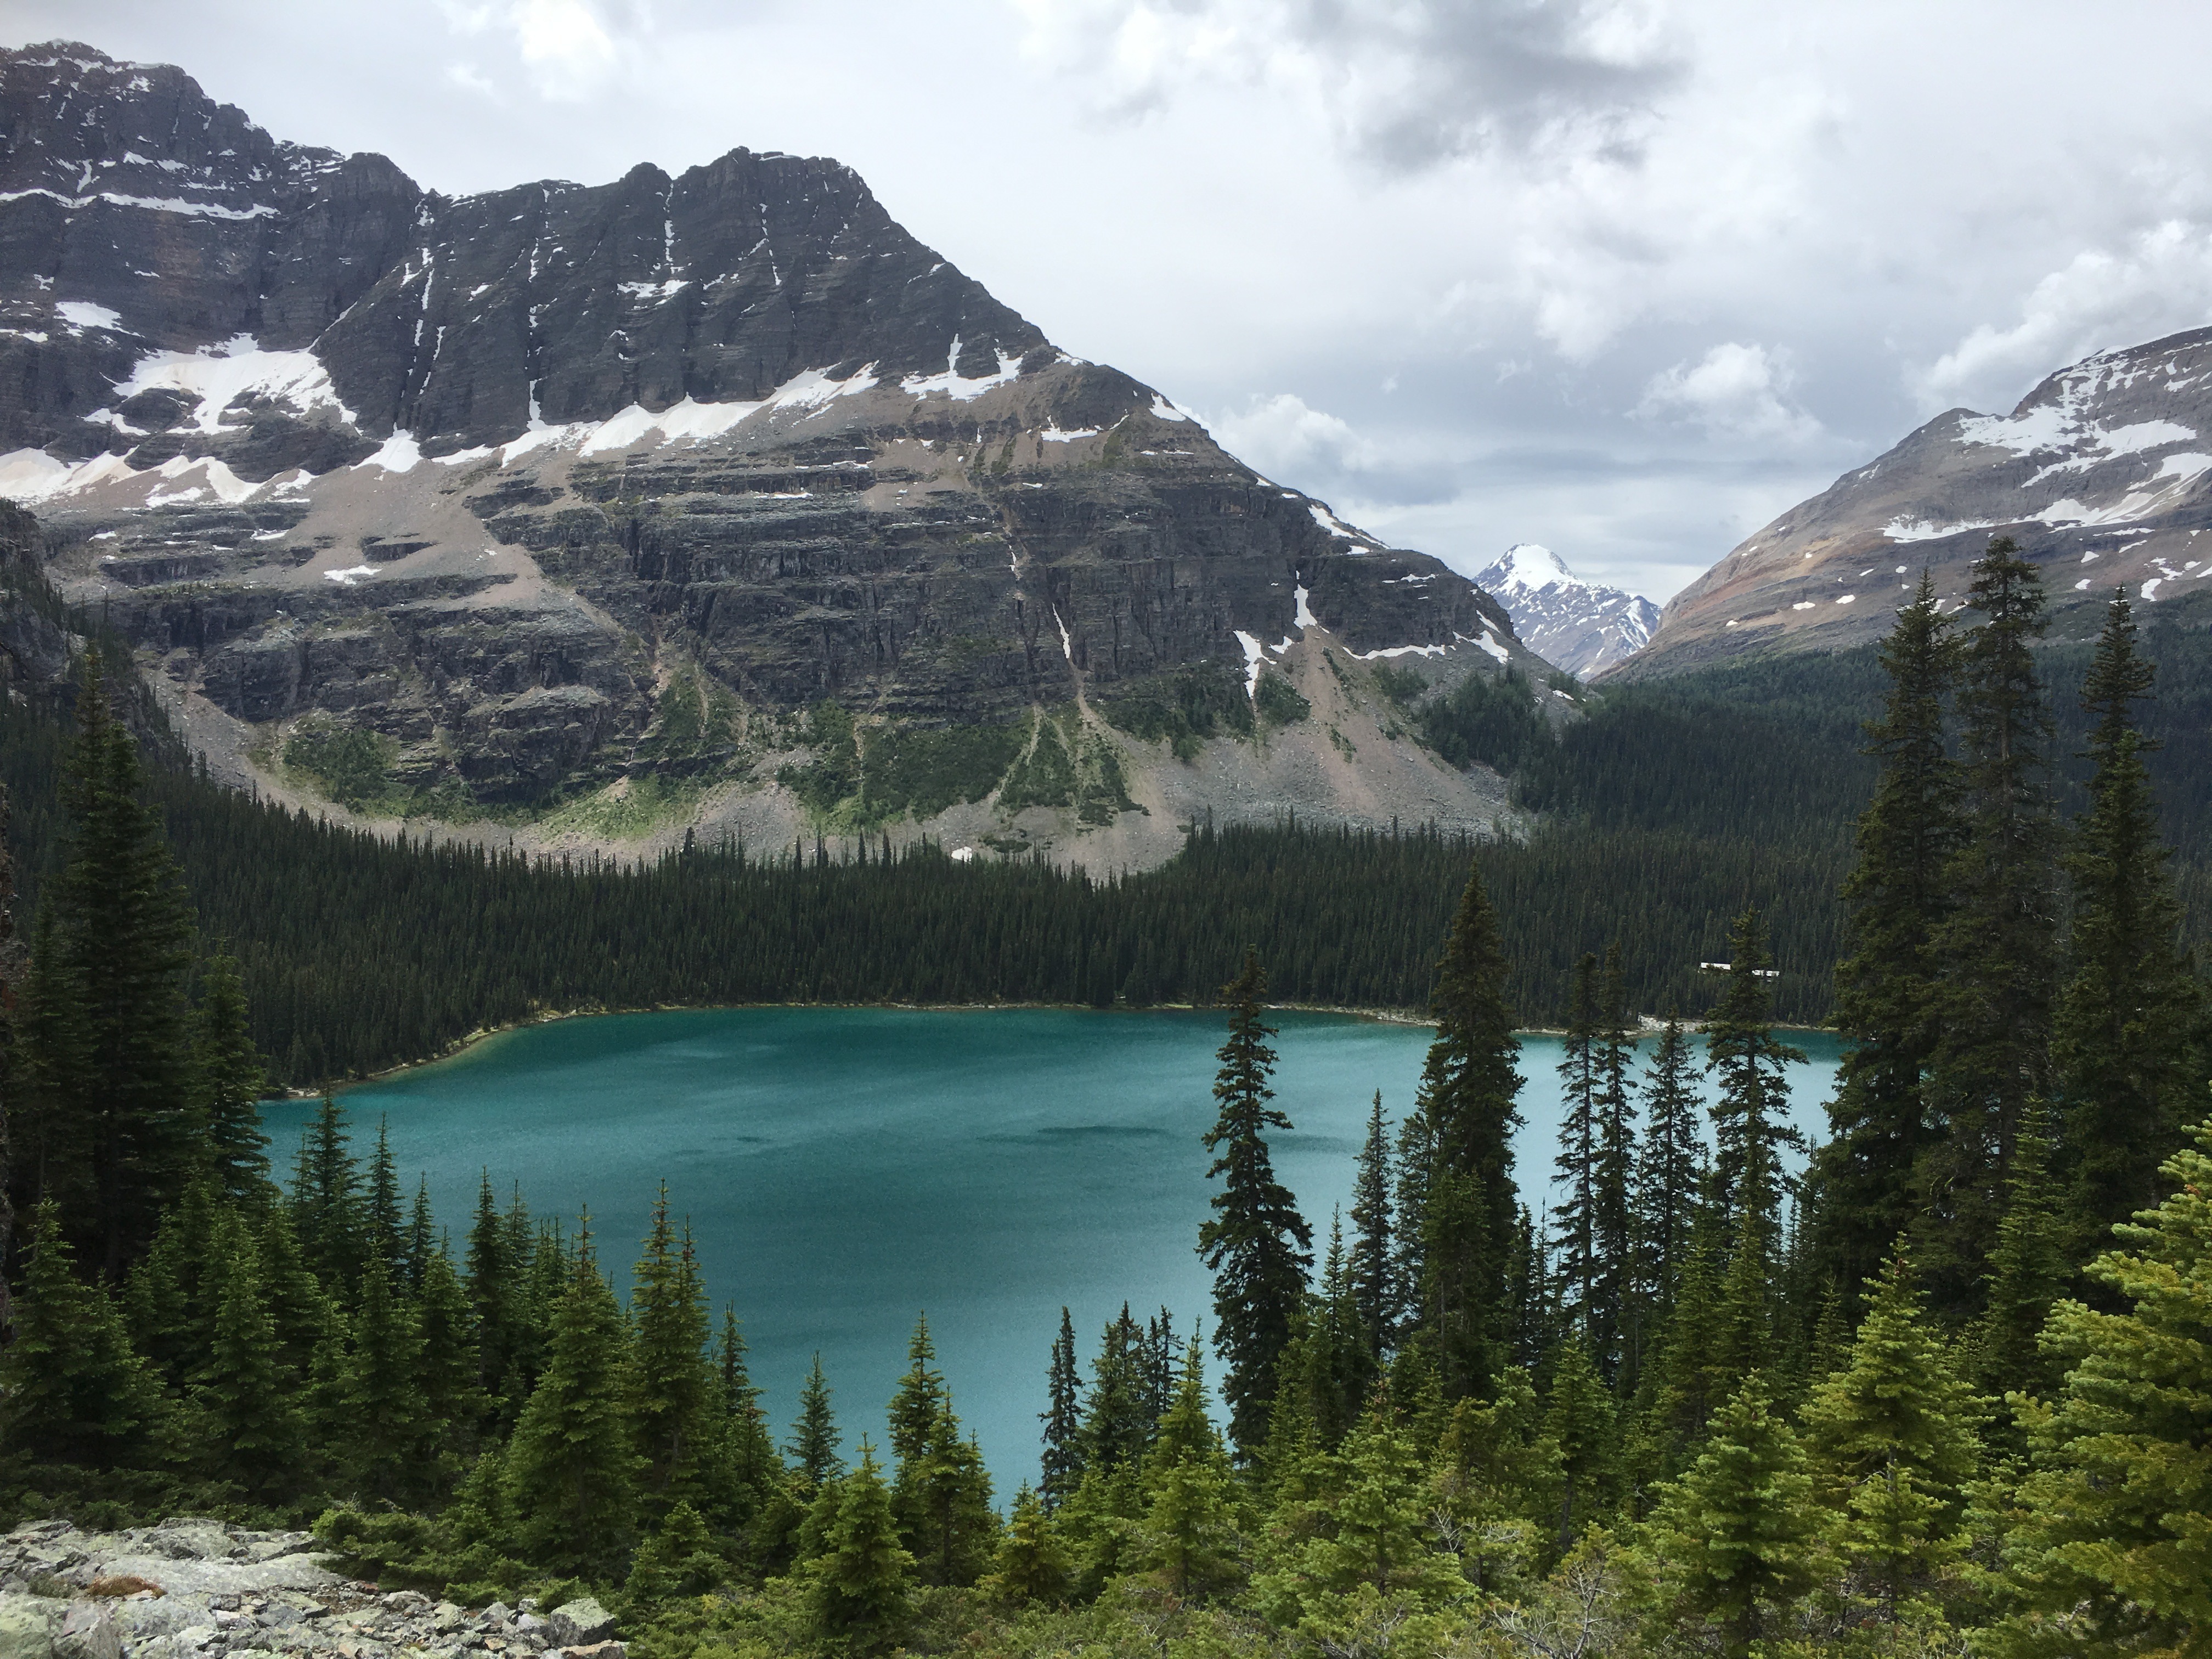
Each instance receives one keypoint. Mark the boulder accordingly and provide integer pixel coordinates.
(582, 1622)
(26, 1625)
(88, 1631)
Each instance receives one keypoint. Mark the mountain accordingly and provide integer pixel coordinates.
(712, 502)
(2103, 475)
(1584, 627)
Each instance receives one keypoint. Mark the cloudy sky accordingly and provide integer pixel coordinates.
(1626, 279)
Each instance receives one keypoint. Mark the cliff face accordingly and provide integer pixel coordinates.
(560, 489)
(2101, 474)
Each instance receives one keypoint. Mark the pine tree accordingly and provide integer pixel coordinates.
(754, 1466)
(1574, 1216)
(1751, 1125)
(679, 1560)
(2110, 1554)
(2131, 1012)
(814, 1436)
(1256, 1244)
(299, 1310)
(1737, 1536)
(1116, 1426)
(448, 1375)
(326, 1200)
(126, 928)
(860, 1587)
(71, 1391)
(227, 1087)
(572, 1471)
(1614, 1323)
(673, 1405)
(1190, 1525)
(2029, 1271)
(942, 1501)
(1896, 899)
(1671, 1166)
(1891, 1436)
(383, 1237)
(1998, 946)
(1467, 1204)
(387, 1441)
(1063, 1420)
(422, 1241)
(921, 1397)
(49, 1123)
(249, 1418)
(493, 1288)
(1579, 1420)
(1032, 1564)
(1374, 1288)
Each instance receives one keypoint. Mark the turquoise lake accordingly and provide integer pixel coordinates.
(846, 1168)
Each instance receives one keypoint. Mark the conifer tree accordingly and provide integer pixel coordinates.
(2029, 1271)
(1574, 1216)
(814, 1437)
(942, 1501)
(1579, 1421)
(126, 928)
(1063, 1420)
(1373, 1281)
(165, 1297)
(674, 1401)
(1737, 1536)
(326, 1200)
(919, 1399)
(753, 1465)
(679, 1560)
(71, 1391)
(493, 1289)
(1467, 1203)
(1615, 1332)
(227, 1086)
(383, 1237)
(1116, 1426)
(448, 1373)
(1896, 899)
(1751, 1124)
(1998, 944)
(1891, 1436)
(422, 1239)
(387, 1439)
(1190, 1524)
(49, 1123)
(1032, 1564)
(249, 1416)
(299, 1310)
(2131, 1010)
(572, 1469)
(861, 1594)
(1255, 1243)
(2110, 1553)
(1671, 1164)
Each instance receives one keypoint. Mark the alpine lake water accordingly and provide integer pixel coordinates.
(844, 1168)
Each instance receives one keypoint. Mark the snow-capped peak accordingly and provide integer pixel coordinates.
(1581, 625)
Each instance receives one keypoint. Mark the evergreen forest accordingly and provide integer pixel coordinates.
(1940, 1384)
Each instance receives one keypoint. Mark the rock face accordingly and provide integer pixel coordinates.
(2103, 475)
(569, 493)
(1584, 627)
(193, 1588)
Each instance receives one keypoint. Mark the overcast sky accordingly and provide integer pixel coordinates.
(1624, 279)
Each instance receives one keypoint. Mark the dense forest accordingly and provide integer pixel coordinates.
(1950, 1392)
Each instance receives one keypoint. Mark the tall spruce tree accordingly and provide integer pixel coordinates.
(2128, 1018)
(814, 1436)
(1468, 1200)
(674, 1406)
(1614, 1325)
(1750, 1110)
(1574, 1215)
(1117, 1423)
(2110, 1553)
(126, 928)
(388, 1440)
(383, 1229)
(862, 1580)
(249, 1416)
(326, 1200)
(51, 1118)
(1189, 1531)
(572, 1467)
(71, 1390)
(1256, 1244)
(1998, 944)
(1373, 1266)
(227, 1086)
(1670, 1167)
(1896, 899)
(1062, 1418)
(2029, 1271)
(754, 1466)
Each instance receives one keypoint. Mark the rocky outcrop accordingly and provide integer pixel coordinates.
(525, 498)
(2102, 474)
(196, 1588)
(1584, 627)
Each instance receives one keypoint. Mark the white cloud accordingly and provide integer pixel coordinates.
(1734, 390)
(567, 49)
(2162, 284)
(1281, 437)
(469, 78)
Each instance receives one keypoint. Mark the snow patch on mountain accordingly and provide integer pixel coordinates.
(1582, 626)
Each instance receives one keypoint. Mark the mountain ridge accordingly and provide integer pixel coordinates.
(1584, 627)
(567, 494)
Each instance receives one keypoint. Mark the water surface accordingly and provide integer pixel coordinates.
(844, 1167)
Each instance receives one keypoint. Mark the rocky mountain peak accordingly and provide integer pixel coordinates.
(1584, 627)
(2103, 475)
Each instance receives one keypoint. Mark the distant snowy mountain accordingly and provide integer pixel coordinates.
(1581, 626)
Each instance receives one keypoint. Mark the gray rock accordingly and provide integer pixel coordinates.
(582, 1623)
(88, 1630)
(26, 1627)
(447, 1616)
